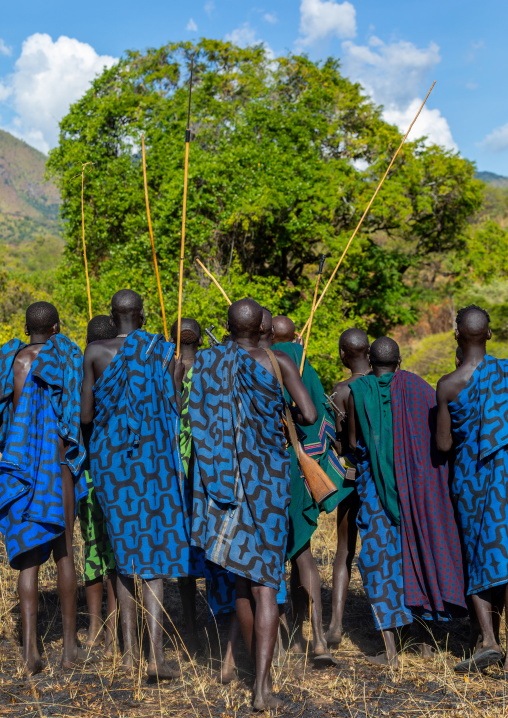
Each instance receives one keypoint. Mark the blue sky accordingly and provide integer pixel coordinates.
(50, 50)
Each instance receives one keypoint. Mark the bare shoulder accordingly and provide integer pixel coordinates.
(283, 358)
(450, 385)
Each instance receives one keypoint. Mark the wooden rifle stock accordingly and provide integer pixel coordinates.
(318, 483)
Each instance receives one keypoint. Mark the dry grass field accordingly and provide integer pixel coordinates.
(352, 690)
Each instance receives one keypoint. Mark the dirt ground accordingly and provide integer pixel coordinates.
(354, 689)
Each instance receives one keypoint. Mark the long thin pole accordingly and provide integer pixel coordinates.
(368, 207)
(318, 280)
(83, 236)
(154, 254)
(215, 281)
(185, 181)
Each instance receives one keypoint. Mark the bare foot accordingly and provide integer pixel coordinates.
(334, 635)
(161, 672)
(228, 673)
(426, 652)
(382, 660)
(297, 648)
(95, 638)
(32, 665)
(76, 658)
(265, 701)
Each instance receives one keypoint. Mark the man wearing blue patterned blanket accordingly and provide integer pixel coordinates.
(473, 419)
(242, 474)
(40, 468)
(128, 394)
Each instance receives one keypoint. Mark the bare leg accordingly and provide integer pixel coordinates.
(28, 590)
(111, 620)
(259, 628)
(389, 658)
(228, 671)
(310, 582)
(66, 572)
(347, 533)
(187, 589)
(128, 617)
(158, 668)
(93, 591)
(483, 607)
(298, 609)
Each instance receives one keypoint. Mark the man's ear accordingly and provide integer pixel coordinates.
(399, 362)
(27, 331)
(55, 329)
(200, 342)
(143, 317)
(489, 334)
(457, 335)
(228, 328)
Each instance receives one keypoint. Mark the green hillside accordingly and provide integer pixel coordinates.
(493, 179)
(30, 233)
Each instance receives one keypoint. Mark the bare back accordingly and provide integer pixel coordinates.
(98, 356)
(21, 368)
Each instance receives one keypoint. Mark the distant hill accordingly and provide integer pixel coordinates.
(30, 236)
(493, 179)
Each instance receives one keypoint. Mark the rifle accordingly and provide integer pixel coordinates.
(211, 337)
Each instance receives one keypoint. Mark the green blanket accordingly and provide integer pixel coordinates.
(374, 411)
(303, 510)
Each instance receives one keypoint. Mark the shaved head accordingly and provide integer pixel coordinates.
(266, 338)
(41, 317)
(245, 317)
(190, 331)
(126, 301)
(354, 343)
(284, 329)
(99, 328)
(384, 352)
(473, 324)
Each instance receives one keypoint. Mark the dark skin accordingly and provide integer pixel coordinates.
(347, 510)
(305, 578)
(474, 347)
(256, 605)
(389, 657)
(28, 581)
(98, 356)
(93, 592)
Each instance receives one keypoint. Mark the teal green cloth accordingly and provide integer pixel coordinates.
(303, 510)
(185, 431)
(373, 408)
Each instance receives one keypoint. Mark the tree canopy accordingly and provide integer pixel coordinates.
(285, 156)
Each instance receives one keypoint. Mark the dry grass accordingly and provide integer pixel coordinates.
(353, 690)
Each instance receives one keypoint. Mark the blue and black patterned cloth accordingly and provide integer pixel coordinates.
(480, 430)
(415, 568)
(241, 474)
(31, 499)
(135, 461)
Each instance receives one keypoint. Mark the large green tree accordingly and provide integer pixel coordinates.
(285, 155)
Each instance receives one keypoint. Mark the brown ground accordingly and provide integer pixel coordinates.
(353, 690)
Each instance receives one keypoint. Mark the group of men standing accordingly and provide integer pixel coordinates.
(181, 469)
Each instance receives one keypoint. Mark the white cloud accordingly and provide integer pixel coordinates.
(48, 77)
(270, 17)
(245, 36)
(191, 26)
(209, 7)
(391, 72)
(322, 19)
(430, 123)
(395, 75)
(4, 92)
(497, 140)
(4, 49)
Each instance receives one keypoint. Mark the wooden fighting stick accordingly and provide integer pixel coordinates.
(368, 207)
(318, 280)
(185, 182)
(154, 254)
(215, 281)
